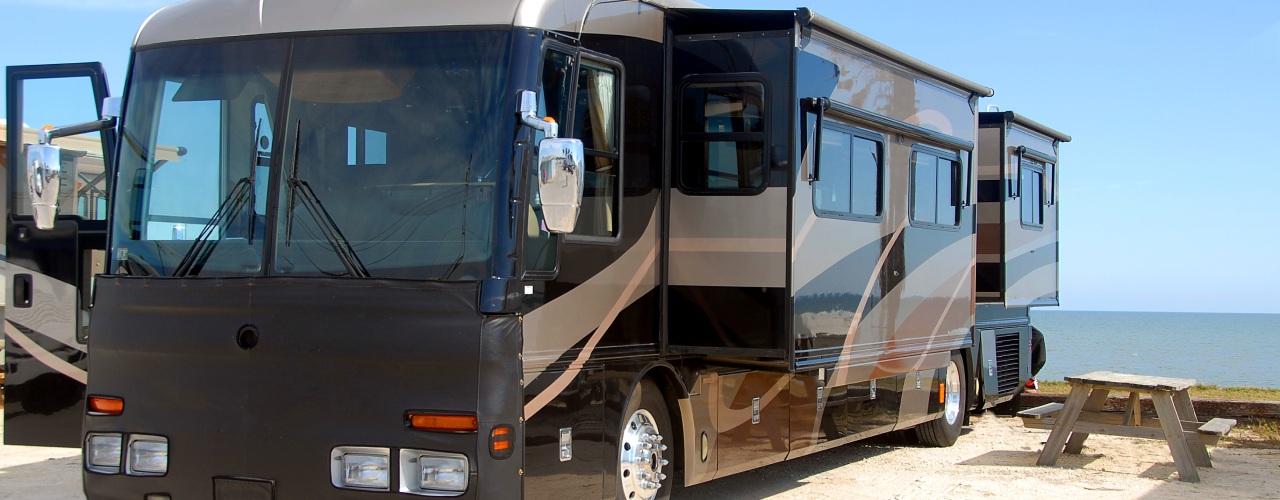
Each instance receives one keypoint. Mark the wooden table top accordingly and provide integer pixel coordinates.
(1129, 381)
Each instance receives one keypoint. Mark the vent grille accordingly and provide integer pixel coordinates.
(1007, 354)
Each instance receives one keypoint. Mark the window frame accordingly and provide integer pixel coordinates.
(856, 132)
(958, 186)
(619, 69)
(705, 137)
(528, 272)
(1039, 168)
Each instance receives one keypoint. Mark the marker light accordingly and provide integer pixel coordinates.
(102, 453)
(148, 455)
(361, 467)
(942, 393)
(452, 423)
(433, 473)
(104, 406)
(500, 445)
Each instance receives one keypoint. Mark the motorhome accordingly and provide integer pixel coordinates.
(552, 249)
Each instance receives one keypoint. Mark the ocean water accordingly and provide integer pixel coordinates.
(1212, 348)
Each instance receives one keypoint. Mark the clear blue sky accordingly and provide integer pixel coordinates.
(1170, 190)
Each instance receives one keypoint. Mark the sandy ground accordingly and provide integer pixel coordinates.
(995, 457)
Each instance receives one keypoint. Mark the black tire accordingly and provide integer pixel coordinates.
(638, 465)
(945, 430)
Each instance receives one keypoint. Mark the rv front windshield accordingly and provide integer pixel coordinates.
(377, 157)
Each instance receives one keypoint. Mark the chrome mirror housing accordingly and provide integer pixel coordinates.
(44, 179)
(560, 183)
(44, 164)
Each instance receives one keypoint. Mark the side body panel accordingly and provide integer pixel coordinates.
(1030, 251)
(592, 327)
(1017, 236)
(878, 298)
(727, 266)
(992, 189)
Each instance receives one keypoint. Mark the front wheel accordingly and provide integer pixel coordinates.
(642, 448)
(945, 430)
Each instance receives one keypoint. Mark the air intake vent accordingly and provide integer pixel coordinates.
(1007, 354)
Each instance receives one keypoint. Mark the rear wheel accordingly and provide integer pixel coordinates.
(643, 460)
(946, 429)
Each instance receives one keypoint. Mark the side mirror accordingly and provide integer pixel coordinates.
(560, 183)
(44, 178)
(44, 166)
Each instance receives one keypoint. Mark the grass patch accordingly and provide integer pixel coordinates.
(1197, 391)
(1256, 434)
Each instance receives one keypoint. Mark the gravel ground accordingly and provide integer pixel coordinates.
(995, 457)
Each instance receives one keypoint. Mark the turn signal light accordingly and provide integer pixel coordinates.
(451, 423)
(500, 444)
(103, 405)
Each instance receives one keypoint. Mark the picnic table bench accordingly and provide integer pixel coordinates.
(1175, 421)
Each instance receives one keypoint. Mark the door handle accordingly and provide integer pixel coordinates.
(22, 290)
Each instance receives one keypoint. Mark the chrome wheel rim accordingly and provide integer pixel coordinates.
(640, 460)
(951, 407)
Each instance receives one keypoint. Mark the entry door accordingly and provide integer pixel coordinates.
(48, 273)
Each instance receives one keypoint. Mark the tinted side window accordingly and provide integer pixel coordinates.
(850, 175)
(596, 123)
(935, 189)
(1032, 191)
(722, 137)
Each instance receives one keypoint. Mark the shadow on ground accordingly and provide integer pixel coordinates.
(785, 476)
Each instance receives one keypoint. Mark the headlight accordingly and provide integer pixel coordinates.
(102, 453)
(148, 455)
(433, 473)
(361, 467)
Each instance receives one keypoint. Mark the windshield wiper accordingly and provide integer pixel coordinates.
(300, 190)
(202, 247)
(241, 194)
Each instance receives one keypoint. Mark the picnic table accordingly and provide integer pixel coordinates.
(1175, 421)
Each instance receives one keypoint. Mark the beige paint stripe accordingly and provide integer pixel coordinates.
(804, 233)
(561, 382)
(43, 356)
(754, 245)
(840, 377)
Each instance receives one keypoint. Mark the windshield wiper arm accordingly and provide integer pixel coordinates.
(328, 228)
(299, 189)
(202, 247)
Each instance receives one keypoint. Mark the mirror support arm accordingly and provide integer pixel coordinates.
(49, 134)
(529, 115)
